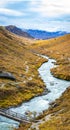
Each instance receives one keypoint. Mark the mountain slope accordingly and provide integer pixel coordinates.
(39, 34)
(17, 60)
(18, 31)
(59, 49)
(59, 112)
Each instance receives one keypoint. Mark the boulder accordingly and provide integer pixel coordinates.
(7, 75)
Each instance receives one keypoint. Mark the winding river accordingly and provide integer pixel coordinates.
(38, 104)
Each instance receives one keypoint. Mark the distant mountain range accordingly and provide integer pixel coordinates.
(18, 31)
(39, 34)
(34, 34)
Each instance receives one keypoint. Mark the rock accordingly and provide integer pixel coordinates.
(51, 83)
(54, 105)
(7, 75)
(46, 91)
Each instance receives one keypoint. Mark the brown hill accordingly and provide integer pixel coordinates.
(59, 49)
(18, 31)
(17, 61)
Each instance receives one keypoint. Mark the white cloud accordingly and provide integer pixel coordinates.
(31, 23)
(3, 3)
(45, 8)
(48, 15)
(35, 2)
(10, 12)
(51, 8)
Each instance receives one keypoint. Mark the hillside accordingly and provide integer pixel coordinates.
(18, 31)
(59, 112)
(40, 34)
(17, 61)
(59, 49)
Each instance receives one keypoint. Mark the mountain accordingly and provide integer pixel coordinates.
(39, 34)
(17, 59)
(59, 113)
(18, 63)
(18, 31)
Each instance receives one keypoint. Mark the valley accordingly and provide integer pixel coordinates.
(18, 58)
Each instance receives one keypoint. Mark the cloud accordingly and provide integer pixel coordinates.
(4, 2)
(5, 10)
(10, 12)
(48, 15)
(45, 8)
(51, 8)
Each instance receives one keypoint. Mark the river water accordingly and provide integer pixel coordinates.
(38, 104)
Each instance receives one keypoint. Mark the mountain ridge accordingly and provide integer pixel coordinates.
(18, 31)
(40, 34)
(34, 34)
(17, 60)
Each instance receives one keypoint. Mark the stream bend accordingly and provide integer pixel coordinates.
(38, 104)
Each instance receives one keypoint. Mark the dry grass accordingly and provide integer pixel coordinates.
(59, 49)
(16, 58)
(24, 126)
(60, 119)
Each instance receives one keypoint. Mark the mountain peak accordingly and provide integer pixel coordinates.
(18, 31)
(41, 34)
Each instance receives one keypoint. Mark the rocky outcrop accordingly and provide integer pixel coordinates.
(7, 75)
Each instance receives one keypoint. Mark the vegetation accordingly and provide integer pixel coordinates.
(16, 58)
(60, 119)
(24, 126)
(59, 49)
(60, 115)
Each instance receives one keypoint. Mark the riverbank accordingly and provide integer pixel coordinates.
(16, 59)
(42, 119)
(60, 112)
(58, 49)
(32, 84)
(56, 117)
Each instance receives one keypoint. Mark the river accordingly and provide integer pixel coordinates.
(38, 104)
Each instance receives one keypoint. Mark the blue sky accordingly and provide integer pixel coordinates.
(50, 15)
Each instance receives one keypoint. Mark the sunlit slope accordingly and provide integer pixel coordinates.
(60, 119)
(18, 31)
(16, 58)
(59, 49)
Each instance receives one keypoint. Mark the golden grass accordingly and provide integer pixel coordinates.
(24, 126)
(59, 49)
(16, 58)
(60, 115)
(60, 119)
